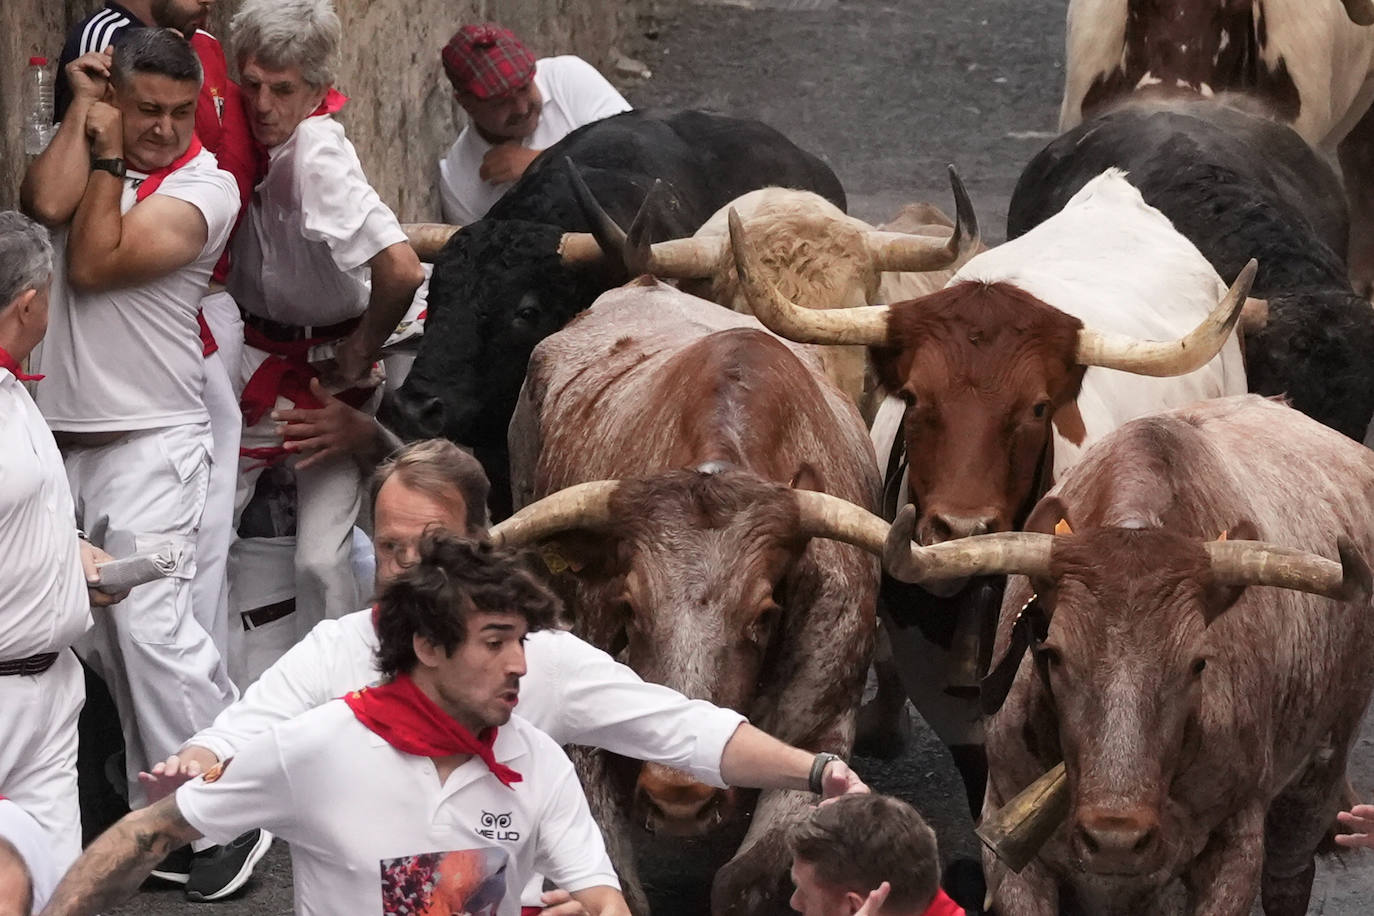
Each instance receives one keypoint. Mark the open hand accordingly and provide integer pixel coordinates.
(172, 773)
(1361, 820)
(330, 431)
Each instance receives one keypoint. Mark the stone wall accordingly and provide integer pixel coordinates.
(402, 116)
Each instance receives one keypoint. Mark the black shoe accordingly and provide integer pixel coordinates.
(221, 870)
(175, 868)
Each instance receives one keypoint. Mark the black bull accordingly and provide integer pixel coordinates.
(499, 286)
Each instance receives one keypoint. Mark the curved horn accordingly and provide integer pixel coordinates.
(583, 505)
(1259, 563)
(577, 248)
(826, 516)
(428, 238)
(1174, 357)
(865, 325)
(901, 251)
(1361, 12)
(1006, 553)
(608, 234)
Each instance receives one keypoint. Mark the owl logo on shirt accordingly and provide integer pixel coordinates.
(497, 827)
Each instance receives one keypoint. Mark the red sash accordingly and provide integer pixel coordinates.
(943, 906)
(412, 723)
(12, 364)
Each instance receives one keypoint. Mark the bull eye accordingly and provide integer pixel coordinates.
(1199, 665)
(527, 313)
(1041, 409)
(1049, 656)
(762, 626)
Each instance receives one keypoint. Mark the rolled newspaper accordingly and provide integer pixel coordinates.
(123, 574)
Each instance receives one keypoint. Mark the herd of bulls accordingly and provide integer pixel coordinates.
(1044, 467)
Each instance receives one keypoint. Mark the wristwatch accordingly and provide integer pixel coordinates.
(114, 166)
(823, 760)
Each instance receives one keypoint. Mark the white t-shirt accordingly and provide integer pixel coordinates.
(572, 691)
(373, 831)
(300, 256)
(43, 602)
(132, 358)
(574, 94)
(34, 847)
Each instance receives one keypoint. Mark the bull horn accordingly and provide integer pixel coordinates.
(863, 325)
(1006, 553)
(1174, 357)
(826, 516)
(1361, 12)
(902, 251)
(1254, 315)
(583, 505)
(576, 248)
(428, 238)
(1259, 563)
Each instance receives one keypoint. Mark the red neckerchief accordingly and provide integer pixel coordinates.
(943, 906)
(12, 364)
(156, 176)
(412, 723)
(333, 103)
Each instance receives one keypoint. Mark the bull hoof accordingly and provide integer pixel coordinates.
(882, 733)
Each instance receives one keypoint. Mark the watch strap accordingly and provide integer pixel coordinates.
(114, 166)
(823, 760)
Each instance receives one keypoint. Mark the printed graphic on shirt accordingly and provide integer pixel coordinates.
(469, 882)
(497, 827)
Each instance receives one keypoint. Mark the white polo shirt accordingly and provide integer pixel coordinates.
(132, 358)
(372, 830)
(572, 691)
(34, 847)
(43, 602)
(574, 94)
(301, 253)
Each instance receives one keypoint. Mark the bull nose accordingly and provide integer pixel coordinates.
(674, 803)
(1116, 842)
(415, 417)
(939, 527)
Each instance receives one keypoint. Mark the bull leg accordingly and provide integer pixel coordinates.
(756, 881)
(604, 800)
(883, 727)
(1356, 153)
(1225, 879)
(1299, 819)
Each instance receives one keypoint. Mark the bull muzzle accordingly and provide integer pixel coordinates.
(671, 802)
(1117, 840)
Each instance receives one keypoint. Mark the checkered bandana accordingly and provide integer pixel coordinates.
(487, 61)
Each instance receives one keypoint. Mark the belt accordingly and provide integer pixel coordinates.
(28, 667)
(261, 616)
(285, 333)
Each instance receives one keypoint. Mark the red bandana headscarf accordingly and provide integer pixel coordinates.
(12, 364)
(412, 723)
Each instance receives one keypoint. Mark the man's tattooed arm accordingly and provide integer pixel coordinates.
(112, 868)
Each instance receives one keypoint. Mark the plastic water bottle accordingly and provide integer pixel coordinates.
(38, 128)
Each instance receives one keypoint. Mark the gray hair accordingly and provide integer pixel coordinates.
(25, 256)
(162, 51)
(289, 33)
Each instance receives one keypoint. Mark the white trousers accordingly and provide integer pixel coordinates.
(328, 498)
(38, 751)
(210, 587)
(166, 676)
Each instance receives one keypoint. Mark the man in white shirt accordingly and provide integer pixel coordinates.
(421, 794)
(323, 273)
(45, 592)
(517, 107)
(145, 214)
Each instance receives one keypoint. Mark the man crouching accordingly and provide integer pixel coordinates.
(404, 792)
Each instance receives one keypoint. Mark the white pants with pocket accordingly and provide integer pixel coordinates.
(166, 676)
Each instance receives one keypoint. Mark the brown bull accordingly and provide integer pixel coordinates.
(1204, 719)
(693, 474)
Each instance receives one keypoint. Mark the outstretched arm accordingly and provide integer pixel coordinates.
(112, 868)
(754, 759)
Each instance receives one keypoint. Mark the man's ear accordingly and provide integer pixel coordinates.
(853, 902)
(426, 652)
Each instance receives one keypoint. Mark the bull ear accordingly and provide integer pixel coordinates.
(807, 478)
(1069, 422)
(1220, 598)
(1048, 515)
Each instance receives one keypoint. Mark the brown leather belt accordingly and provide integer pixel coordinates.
(286, 333)
(28, 667)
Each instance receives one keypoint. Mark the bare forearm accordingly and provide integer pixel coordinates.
(54, 182)
(97, 229)
(112, 868)
(756, 760)
(396, 275)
